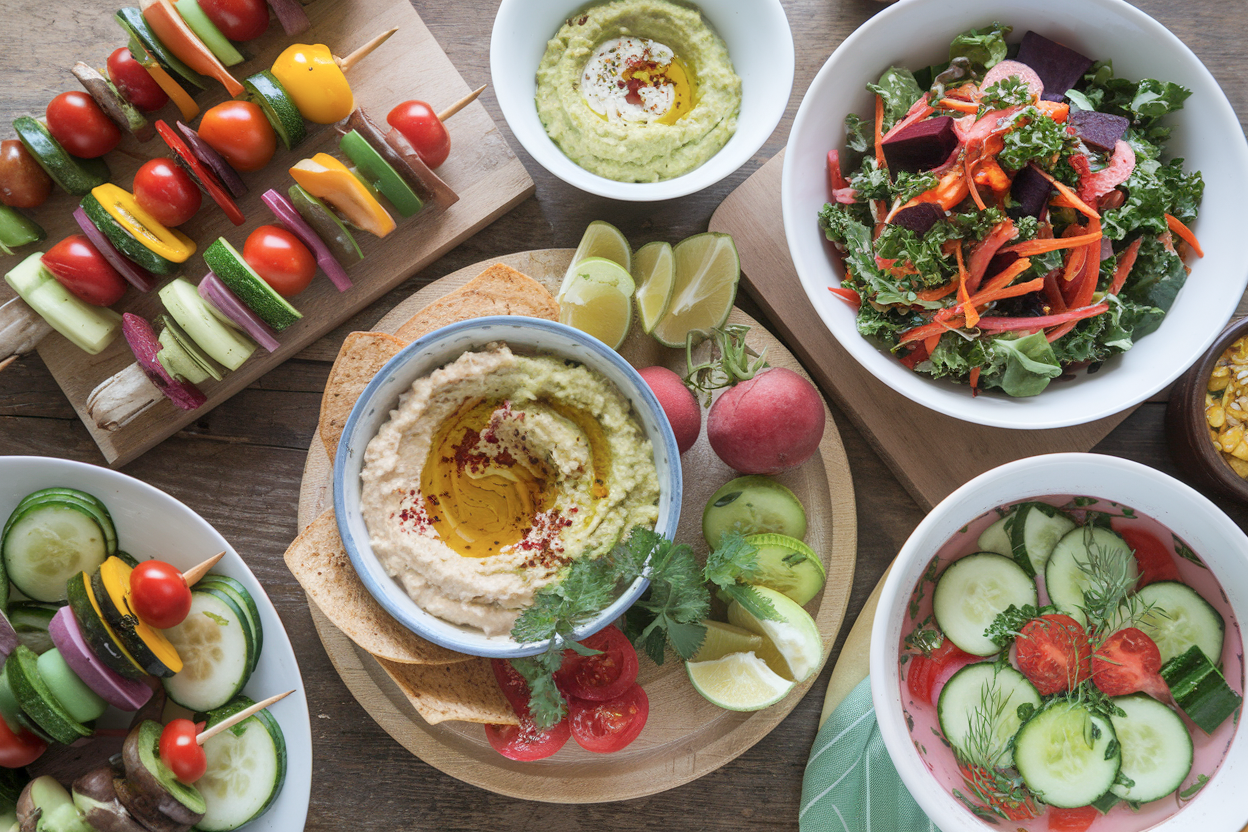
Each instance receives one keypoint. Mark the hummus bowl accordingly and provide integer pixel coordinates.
(1133, 496)
(375, 413)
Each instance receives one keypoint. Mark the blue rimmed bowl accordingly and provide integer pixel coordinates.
(423, 356)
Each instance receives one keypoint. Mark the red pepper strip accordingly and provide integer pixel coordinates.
(919, 353)
(879, 130)
(1043, 321)
(848, 295)
(1184, 233)
(206, 177)
(835, 178)
(985, 250)
(1052, 293)
(1003, 278)
(1125, 261)
(974, 382)
(1087, 287)
(925, 331)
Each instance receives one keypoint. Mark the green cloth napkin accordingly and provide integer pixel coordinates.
(851, 784)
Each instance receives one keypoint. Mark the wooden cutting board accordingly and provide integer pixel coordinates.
(482, 169)
(931, 454)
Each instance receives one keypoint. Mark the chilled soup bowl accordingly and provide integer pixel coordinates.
(423, 356)
(925, 764)
(1207, 135)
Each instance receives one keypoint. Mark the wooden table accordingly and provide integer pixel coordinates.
(240, 465)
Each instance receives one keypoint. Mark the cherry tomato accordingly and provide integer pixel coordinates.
(281, 259)
(23, 184)
(159, 595)
(603, 676)
(134, 82)
(604, 727)
(166, 191)
(524, 742)
(240, 132)
(238, 19)
(1054, 653)
(512, 684)
(81, 269)
(19, 748)
(78, 123)
(420, 125)
(178, 750)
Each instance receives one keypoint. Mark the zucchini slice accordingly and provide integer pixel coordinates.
(278, 107)
(75, 176)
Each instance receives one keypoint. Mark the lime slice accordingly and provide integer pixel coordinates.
(601, 239)
(707, 272)
(598, 300)
(722, 639)
(738, 682)
(654, 270)
(792, 646)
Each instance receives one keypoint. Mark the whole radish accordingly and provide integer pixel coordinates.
(678, 404)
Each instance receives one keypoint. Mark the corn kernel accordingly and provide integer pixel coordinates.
(1216, 416)
(1231, 438)
(1219, 382)
(1241, 451)
(1238, 466)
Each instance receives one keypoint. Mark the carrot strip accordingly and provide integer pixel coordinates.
(932, 342)
(974, 381)
(1055, 110)
(848, 295)
(949, 191)
(1091, 269)
(1184, 233)
(1003, 278)
(968, 107)
(1075, 201)
(1014, 291)
(1031, 247)
(925, 331)
(964, 295)
(1014, 324)
(1123, 269)
(879, 130)
(970, 183)
(836, 179)
(1074, 257)
(938, 292)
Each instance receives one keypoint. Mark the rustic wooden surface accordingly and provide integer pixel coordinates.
(241, 466)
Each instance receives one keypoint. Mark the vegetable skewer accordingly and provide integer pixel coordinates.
(226, 724)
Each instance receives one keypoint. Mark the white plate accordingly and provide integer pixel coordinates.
(151, 524)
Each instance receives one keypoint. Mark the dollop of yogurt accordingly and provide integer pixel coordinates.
(636, 80)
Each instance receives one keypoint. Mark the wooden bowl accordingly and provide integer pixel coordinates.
(1187, 432)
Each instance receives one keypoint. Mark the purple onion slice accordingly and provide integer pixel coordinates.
(224, 300)
(290, 218)
(137, 276)
(291, 15)
(214, 161)
(144, 344)
(8, 637)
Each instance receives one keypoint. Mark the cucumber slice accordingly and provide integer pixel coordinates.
(787, 565)
(227, 346)
(377, 173)
(996, 539)
(327, 226)
(37, 700)
(1067, 753)
(72, 495)
(176, 361)
(126, 243)
(1179, 620)
(48, 544)
(1156, 748)
(246, 768)
(215, 645)
(90, 328)
(131, 20)
(1200, 689)
(202, 363)
(245, 602)
(228, 264)
(983, 695)
(1066, 576)
(75, 176)
(78, 700)
(207, 31)
(17, 230)
(278, 107)
(30, 620)
(1034, 532)
(972, 591)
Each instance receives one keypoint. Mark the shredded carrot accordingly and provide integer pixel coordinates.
(925, 331)
(1074, 200)
(1091, 270)
(1030, 247)
(1001, 280)
(932, 342)
(1184, 233)
(949, 191)
(1055, 110)
(938, 292)
(969, 107)
(879, 130)
(964, 295)
(1074, 263)
(990, 173)
(970, 183)
(1125, 261)
(981, 298)
(974, 381)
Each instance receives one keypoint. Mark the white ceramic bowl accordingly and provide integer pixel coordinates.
(1212, 535)
(1207, 134)
(760, 46)
(422, 357)
(151, 524)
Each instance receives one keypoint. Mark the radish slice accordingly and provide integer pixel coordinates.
(8, 637)
(214, 161)
(291, 15)
(137, 276)
(236, 312)
(290, 218)
(1005, 69)
(143, 343)
(127, 694)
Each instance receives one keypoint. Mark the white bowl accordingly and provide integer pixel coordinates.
(1212, 535)
(422, 357)
(1207, 134)
(760, 46)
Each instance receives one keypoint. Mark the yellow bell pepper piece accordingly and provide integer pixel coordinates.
(180, 97)
(121, 205)
(325, 177)
(313, 80)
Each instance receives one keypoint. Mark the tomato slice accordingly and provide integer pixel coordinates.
(604, 727)
(206, 178)
(1072, 820)
(1128, 662)
(924, 672)
(603, 676)
(19, 748)
(514, 688)
(524, 742)
(1154, 558)
(1054, 653)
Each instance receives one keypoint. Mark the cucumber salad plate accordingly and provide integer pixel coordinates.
(93, 525)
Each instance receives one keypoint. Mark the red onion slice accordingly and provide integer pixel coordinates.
(137, 276)
(127, 694)
(144, 344)
(214, 161)
(290, 218)
(8, 637)
(291, 15)
(232, 307)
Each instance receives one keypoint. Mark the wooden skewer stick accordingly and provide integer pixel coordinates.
(6, 362)
(225, 724)
(358, 55)
(192, 575)
(461, 103)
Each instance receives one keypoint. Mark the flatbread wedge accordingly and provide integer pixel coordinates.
(362, 356)
(467, 691)
(499, 290)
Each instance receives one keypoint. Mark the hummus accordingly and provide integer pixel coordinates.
(638, 90)
(494, 473)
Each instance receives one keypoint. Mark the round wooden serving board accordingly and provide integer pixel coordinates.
(686, 736)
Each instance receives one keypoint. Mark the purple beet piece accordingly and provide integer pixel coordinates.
(918, 218)
(1030, 191)
(921, 146)
(1100, 130)
(1059, 67)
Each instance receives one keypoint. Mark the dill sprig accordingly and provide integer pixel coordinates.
(983, 753)
(1111, 578)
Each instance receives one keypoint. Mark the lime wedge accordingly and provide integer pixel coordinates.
(598, 300)
(601, 239)
(792, 646)
(654, 270)
(722, 639)
(738, 682)
(707, 272)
